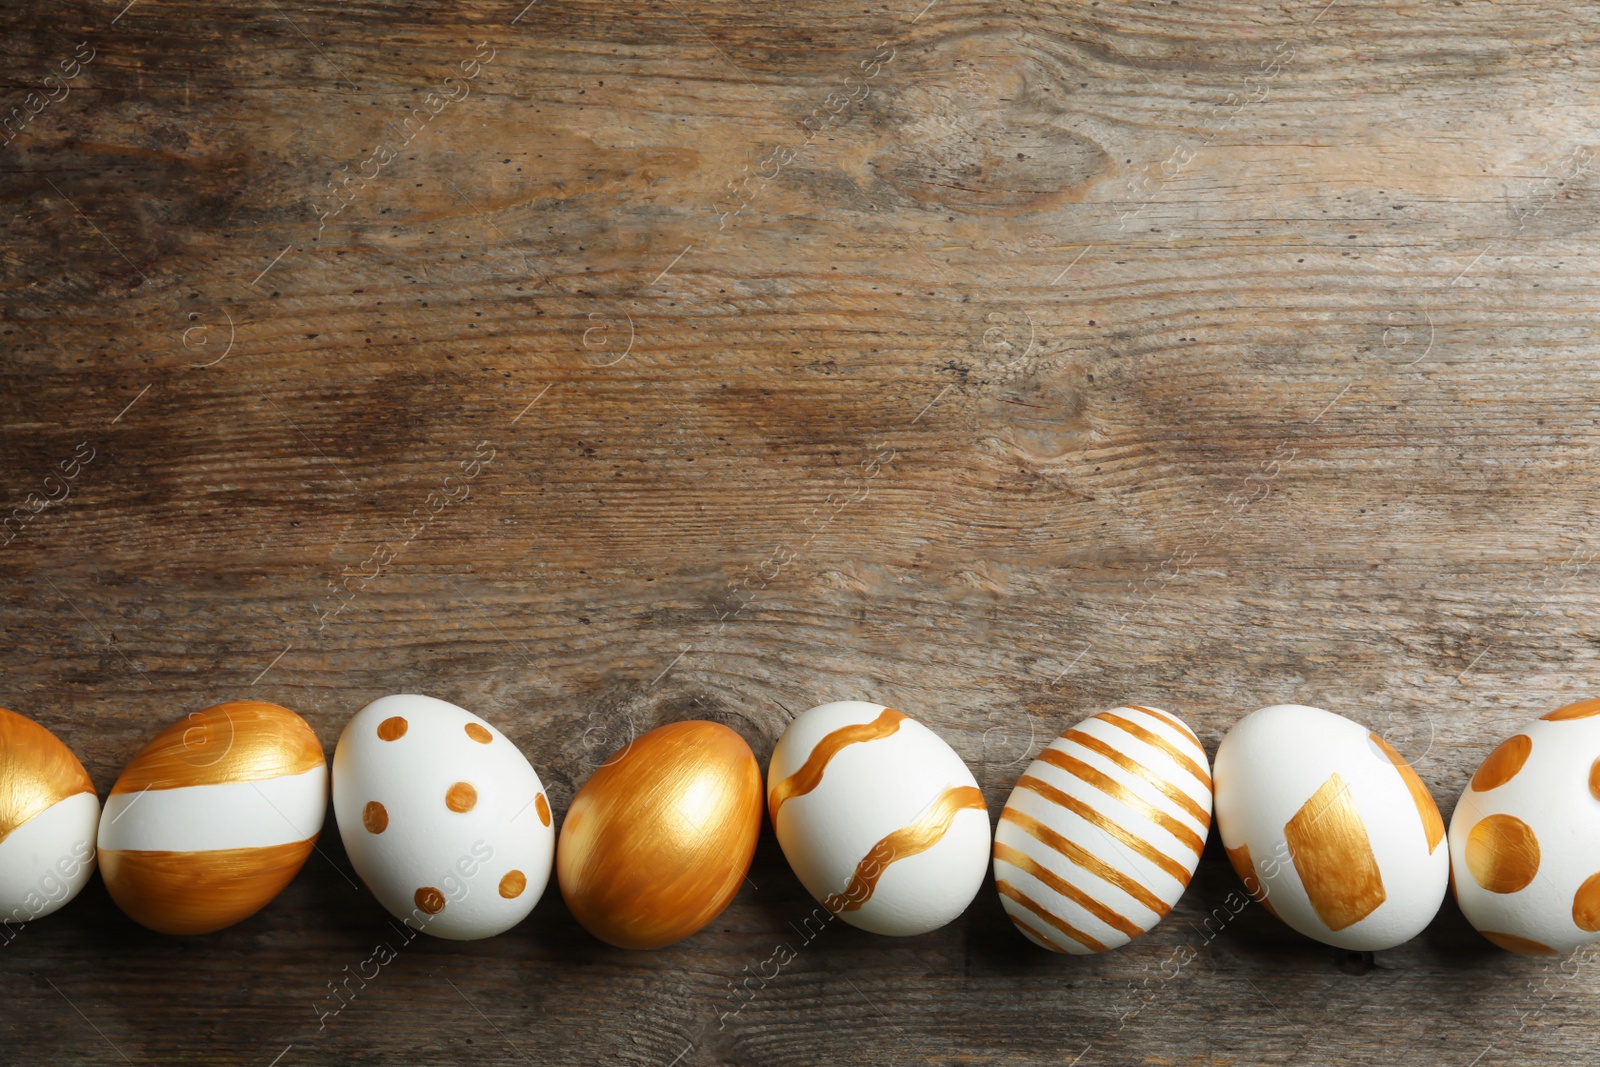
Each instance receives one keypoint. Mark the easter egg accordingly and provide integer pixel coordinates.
(48, 816)
(881, 821)
(1330, 828)
(1525, 836)
(659, 839)
(1104, 830)
(212, 818)
(443, 817)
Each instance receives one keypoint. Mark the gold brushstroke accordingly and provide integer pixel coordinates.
(36, 771)
(1586, 905)
(660, 838)
(1030, 866)
(1594, 779)
(1583, 709)
(927, 831)
(1132, 766)
(1525, 945)
(1085, 859)
(1107, 823)
(199, 892)
(1502, 853)
(1150, 737)
(1432, 822)
(242, 741)
(1008, 890)
(1502, 765)
(1029, 928)
(1329, 847)
(1117, 791)
(809, 776)
(1245, 868)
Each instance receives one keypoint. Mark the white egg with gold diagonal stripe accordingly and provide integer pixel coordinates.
(1104, 830)
(212, 818)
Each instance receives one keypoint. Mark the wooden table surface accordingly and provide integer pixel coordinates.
(998, 362)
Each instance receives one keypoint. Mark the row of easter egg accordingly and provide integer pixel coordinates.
(448, 825)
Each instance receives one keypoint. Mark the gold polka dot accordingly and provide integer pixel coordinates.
(392, 728)
(461, 797)
(512, 885)
(1586, 905)
(543, 806)
(375, 817)
(479, 734)
(1525, 945)
(1502, 853)
(1503, 763)
(1594, 779)
(430, 900)
(1583, 709)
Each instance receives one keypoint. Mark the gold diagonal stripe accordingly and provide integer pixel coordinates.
(1008, 890)
(809, 776)
(1150, 737)
(1116, 790)
(1105, 822)
(1030, 866)
(1085, 859)
(1132, 766)
(1055, 946)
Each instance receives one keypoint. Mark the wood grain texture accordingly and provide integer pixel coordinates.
(1198, 354)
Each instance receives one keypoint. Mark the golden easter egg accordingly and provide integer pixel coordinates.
(213, 817)
(660, 837)
(48, 815)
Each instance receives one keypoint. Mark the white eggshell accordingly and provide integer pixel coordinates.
(444, 819)
(47, 860)
(1334, 828)
(1525, 836)
(1104, 830)
(879, 818)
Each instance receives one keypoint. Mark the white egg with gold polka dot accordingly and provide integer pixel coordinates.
(1330, 828)
(443, 817)
(1104, 830)
(1525, 836)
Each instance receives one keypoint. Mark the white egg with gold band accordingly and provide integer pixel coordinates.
(1330, 828)
(880, 819)
(1103, 831)
(213, 817)
(48, 817)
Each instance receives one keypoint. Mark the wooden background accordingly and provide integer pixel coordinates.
(1001, 362)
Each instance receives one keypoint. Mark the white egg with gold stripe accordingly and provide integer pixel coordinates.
(213, 817)
(1104, 830)
(48, 816)
(880, 819)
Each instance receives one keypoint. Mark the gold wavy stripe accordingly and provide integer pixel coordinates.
(1329, 847)
(1432, 822)
(242, 741)
(1008, 890)
(1116, 790)
(1085, 859)
(39, 771)
(1034, 931)
(1030, 866)
(1132, 766)
(199, 892)
(1150, 737)
(1106, 823)
(809, 776)
(908, 841)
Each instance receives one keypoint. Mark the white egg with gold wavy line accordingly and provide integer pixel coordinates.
(48, 817)
(1330, 828)
(212, 818)
(1524, 861)
(880, 819)
(1103, 831)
